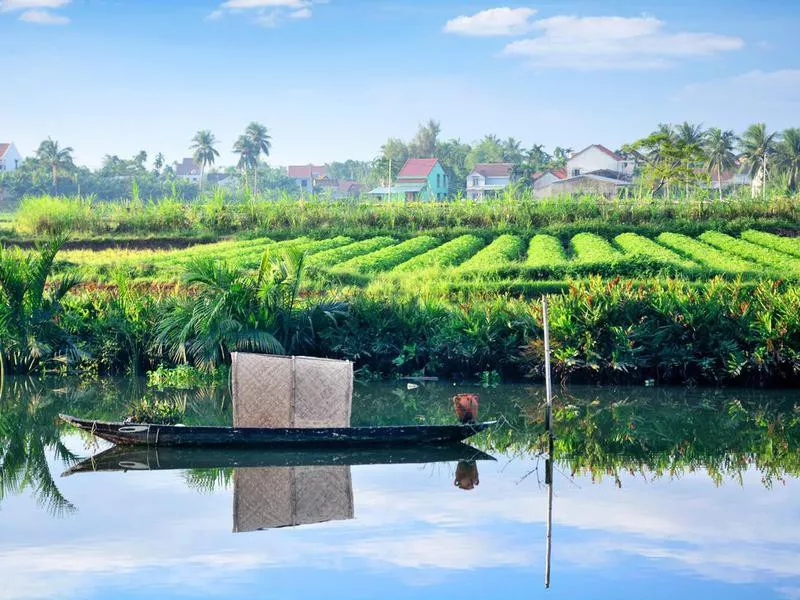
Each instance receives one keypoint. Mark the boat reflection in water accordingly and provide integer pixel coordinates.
(284, 488)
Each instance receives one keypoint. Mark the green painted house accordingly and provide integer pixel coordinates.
(419, 179)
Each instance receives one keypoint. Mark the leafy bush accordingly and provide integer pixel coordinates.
(707, 255)
(788, 245)
(635, 245)
(545, 251)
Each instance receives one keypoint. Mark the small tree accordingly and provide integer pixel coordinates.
(56, 160)
(719, 153)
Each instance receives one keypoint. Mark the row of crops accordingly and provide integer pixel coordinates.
(754, 254)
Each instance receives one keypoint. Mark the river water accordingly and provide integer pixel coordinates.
(656, 494)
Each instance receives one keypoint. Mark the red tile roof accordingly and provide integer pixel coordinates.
(557, 173)
(307, 171)
(493, 169)
(3, 148)
(417, 167)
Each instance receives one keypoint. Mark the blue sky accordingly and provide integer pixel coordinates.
(332, 80)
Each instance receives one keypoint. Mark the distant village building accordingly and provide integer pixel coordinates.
(308, 177)
(488, 178)
(545, 178)
(188, 169)
(419, 179)
(595, 169)
(10, 158)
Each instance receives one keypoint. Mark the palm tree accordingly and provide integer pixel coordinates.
(204, 152)
(261, 142)
(512, 150)
(560, 156)
(789, 155)
(235, 309)
(758, 147)
(690, 139)
(248, 153)
(719, 153)
(30, 307)
(56, 160)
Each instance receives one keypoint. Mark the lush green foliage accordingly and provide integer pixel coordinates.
(592, 249)
(448, 254)
(344, 253)
(776, 242)
(545, 251)
(706, 255)
(387, 258)
(634, 245)
(772, 259)
(31, 333)
(505, 249)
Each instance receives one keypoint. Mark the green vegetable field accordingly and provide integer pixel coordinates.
(503, 258)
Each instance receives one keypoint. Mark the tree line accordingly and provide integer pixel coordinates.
(671, 159)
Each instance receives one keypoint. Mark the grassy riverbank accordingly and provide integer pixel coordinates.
(669, 299)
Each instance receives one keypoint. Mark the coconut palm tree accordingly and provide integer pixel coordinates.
(758, 148)
(789, 156)
(56, 160)
(248, 153)
(718, 149)
(30, 307)
(560, 156)
(512, 150)
(204, 152)
(260, 141)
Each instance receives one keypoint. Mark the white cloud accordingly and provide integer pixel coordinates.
(263, 3)
(43, 17)
(584, 43)
(9, 5)
(493, 22)
(267, 13)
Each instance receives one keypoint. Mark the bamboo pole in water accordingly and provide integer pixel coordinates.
(548, 474)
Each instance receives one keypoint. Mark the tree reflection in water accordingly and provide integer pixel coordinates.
(599, 432)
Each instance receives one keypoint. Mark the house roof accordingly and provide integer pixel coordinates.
(3, 148)
(493, 169)
(602, 149)
(400, 188)
(187, 167)
(417, 167)
(608, 174)
(592, 177)
(557, 173)
(307, 171)
(346, 186)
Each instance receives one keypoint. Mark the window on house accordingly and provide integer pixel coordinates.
(438, 180)
(575, 172)
(475, 181)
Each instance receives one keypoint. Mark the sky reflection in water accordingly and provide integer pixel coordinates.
(414, 535)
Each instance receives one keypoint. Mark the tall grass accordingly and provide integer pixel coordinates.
(520, 212)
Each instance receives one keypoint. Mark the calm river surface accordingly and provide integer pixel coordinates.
(656, 494)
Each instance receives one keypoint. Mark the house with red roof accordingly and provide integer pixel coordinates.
(595, 169)
(10, 158)
(488, 179)
(308, 177)
(419, 179)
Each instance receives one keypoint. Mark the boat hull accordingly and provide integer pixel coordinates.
(175, 435)
(148, 458)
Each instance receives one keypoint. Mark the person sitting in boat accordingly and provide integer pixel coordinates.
(466, 406)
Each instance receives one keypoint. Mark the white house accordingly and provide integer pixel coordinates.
(188, 169)
(488, 178)
(10, 158)
(307, 177)
(596, 158)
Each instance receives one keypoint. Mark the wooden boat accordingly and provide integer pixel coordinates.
(178, 435)
(149, 458)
